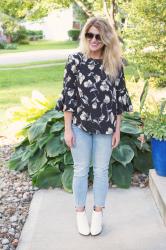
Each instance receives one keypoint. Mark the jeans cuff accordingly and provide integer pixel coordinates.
(103, 206)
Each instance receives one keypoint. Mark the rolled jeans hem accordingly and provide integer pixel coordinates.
(79, 206)
(102, 206)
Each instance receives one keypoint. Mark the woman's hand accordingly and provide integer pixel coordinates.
(116, 134)
(115, 139)
(69, 137)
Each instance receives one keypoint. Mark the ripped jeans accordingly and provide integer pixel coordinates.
(95, 147)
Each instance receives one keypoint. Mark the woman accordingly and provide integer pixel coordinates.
(93, 98)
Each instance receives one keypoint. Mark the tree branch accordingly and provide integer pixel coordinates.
(83, 6)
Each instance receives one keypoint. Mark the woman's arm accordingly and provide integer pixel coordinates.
(68, 134)
(116, 134)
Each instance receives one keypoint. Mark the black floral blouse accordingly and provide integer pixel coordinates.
(93, 98)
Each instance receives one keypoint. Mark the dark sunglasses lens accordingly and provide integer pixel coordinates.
(91, 35)
(98, 37)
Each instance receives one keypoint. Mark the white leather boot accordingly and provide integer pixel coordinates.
(96, 222)
(82, 223)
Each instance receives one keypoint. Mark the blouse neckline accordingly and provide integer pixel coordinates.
(92, 59)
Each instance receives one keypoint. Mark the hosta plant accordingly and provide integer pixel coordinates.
(48, 160)
(30, 109)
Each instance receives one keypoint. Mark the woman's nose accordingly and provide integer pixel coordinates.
(93, 39)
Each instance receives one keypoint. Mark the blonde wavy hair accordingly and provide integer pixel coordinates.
(111, 52)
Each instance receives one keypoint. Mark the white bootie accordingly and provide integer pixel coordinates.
(82, 223)
(96, 222)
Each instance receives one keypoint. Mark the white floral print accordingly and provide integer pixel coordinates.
(93, 98)
(107, 99)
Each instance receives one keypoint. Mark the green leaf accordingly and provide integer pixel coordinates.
(36, 162)
(110, 171)
(24, 142)
(56, 127)
(41, 141)
(126, 140)
(62, 136)
(90, 176)
(123, 154)
(53, 114)
(55, 147)
(48, 177)
(29, 151)
(56, 160)
(122, 176)
(141, 146)
(135, 116)
(67, 178)
(68, 160)
(143, 162)
(17, 164)
(129, 128)
(36, 130)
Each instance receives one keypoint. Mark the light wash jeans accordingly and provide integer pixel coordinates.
(95, 147)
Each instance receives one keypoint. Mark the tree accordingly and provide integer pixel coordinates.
(12, 12)
(27, 9)
(144, 33)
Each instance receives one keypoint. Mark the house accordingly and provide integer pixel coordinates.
(55, 26)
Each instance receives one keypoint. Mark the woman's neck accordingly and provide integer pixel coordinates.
(96, 54)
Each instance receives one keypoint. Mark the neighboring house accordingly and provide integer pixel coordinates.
(2, 36)
(55, 26)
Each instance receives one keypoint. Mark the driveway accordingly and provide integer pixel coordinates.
(34, 56)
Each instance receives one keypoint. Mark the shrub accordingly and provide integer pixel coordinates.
(158, 81)
(161, 81)
(2, 44)
(24, 41)
(154, 117)
(19, 35)
(11, 46)
(74, 34)
(35, 34)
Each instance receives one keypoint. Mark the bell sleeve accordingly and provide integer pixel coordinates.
(67, 100)
(123, 102)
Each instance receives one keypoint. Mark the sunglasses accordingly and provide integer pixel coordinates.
(90, 36)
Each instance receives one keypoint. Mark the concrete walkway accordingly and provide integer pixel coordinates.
(34, 56)
(131, 222)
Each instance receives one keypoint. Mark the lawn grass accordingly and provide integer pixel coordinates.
(42, 45)
(21, 82)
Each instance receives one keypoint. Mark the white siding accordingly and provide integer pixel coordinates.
(55, 26)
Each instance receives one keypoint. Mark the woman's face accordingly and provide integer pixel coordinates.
(94, 40)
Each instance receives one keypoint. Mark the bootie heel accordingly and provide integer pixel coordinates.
(82, 223)
(96, 222)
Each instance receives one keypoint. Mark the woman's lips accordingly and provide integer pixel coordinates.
(94, 44)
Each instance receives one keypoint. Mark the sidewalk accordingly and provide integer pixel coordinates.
(34, 56)
(131, 222)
